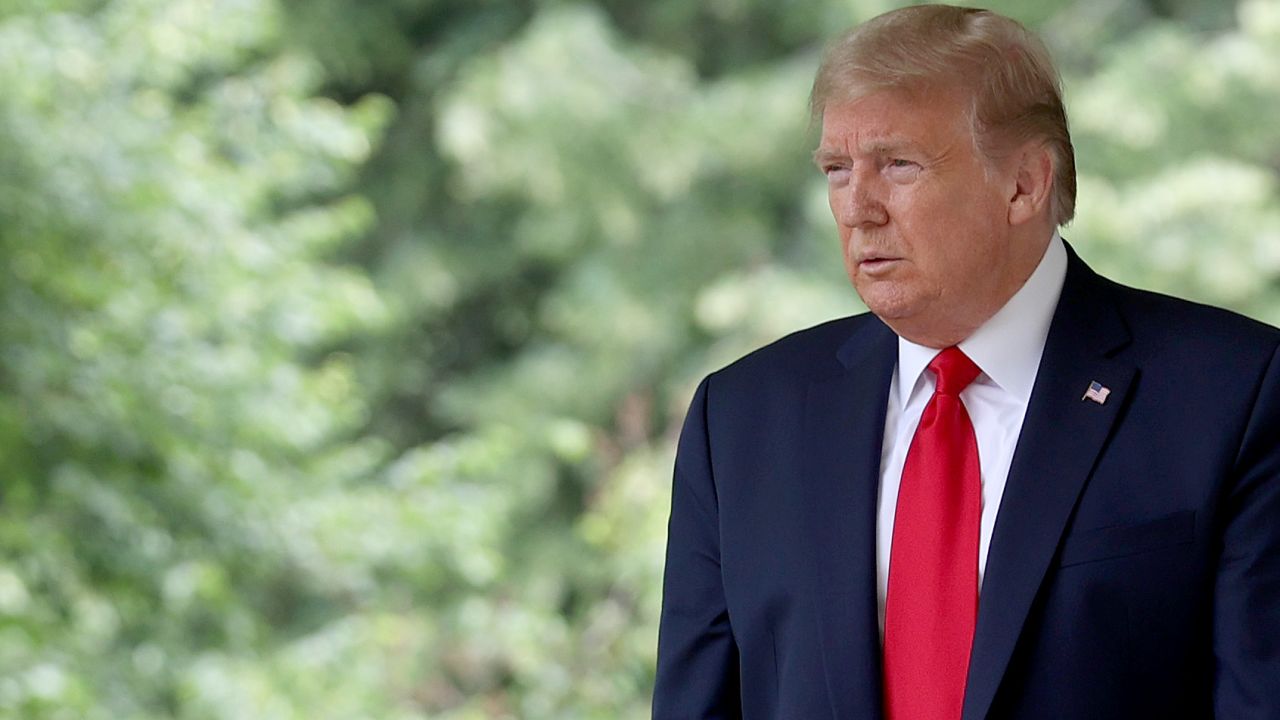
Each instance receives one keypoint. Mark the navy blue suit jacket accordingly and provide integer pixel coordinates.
(1134, 570)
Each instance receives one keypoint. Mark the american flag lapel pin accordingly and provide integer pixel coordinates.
(1097, 392)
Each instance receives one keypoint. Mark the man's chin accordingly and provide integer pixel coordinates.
(909, 319)
(886, 303)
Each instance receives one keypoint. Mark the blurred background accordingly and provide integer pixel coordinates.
(343, 344)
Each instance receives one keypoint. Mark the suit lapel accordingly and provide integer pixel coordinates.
(1062, 435)
(844, 428)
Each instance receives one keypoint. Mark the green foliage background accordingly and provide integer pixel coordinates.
(343, 344)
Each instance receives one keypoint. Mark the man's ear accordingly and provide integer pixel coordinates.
(1032, 183)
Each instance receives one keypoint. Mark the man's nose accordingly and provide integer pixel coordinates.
(860, 203)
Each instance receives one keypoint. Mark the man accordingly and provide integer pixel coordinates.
(1015, 489)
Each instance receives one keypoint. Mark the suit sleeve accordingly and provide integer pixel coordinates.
(1247, 590)
(697, 674)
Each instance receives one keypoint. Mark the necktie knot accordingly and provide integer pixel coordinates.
(954, 370)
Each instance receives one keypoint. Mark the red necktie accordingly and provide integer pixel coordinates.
(932, 603)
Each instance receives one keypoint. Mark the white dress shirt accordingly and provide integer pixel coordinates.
(1007, 349)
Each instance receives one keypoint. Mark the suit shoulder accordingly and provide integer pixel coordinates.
(804, 354)
(1161, 317)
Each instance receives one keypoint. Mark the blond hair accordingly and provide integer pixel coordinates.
(1016, 92)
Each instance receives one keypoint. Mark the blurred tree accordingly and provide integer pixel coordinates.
(171, 192)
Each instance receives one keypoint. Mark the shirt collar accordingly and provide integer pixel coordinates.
(1007, 346)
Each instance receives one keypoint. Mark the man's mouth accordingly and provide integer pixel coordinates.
(873, 264)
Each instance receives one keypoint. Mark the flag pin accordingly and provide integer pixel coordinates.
(1097, 392)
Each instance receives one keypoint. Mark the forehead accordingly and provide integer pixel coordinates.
(891, 119)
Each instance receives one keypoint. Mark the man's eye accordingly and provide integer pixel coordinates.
(900, 163)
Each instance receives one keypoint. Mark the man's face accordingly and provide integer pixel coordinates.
(923, 219)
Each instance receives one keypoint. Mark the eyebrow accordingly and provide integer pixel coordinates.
(884, 146)
(822, 156)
